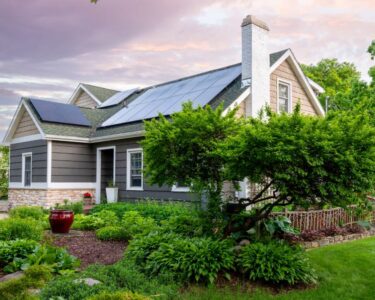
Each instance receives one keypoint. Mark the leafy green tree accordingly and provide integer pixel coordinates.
(185, 149)
(4, 165)
(336, 78)
(304, 160)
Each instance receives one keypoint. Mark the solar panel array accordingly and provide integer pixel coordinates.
(117, 98)
(168, 98)
(59, 113)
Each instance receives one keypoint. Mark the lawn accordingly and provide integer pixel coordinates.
(346, 271)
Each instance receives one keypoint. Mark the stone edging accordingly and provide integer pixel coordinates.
(330, 240)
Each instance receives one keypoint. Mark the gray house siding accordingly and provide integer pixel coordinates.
(149, 191)
(73, 162)
(39, 160)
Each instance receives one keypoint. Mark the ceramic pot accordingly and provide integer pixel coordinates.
(61, 220)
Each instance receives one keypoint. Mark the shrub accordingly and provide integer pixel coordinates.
(35, 277)
(135, 224)
(18, 249)
(139, 249)
(186, 225)
(15, 228)
(115, 233)
(119, 296)
(76, 207)
(95, 221)
(276, 262)
(156, 210)
(196, 259)
(312, 235)
(33, 212)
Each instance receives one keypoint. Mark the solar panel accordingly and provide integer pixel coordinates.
(117, 98)
(59, 113)
(168, 98)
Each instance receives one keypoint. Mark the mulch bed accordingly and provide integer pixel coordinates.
(85, 246)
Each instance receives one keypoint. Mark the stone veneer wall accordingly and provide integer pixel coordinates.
(45, 197)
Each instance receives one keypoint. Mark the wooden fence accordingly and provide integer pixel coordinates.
(321, 219)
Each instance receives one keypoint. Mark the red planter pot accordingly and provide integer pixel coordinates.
(61, 220)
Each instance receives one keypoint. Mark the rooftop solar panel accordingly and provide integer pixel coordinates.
(118, 97)
(59, 113)
(168, 98)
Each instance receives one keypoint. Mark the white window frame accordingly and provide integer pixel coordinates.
(128, 171)
(184, 189)
(24, 155)
(290, 102)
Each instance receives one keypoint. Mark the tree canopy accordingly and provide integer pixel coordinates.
(4, 165)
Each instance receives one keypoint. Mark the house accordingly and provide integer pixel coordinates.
(59, 151)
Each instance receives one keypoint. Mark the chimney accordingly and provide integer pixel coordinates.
(255, 63)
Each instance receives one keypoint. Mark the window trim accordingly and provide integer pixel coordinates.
(128, 171)
(175, 188)
(24, 155)
(290, 102)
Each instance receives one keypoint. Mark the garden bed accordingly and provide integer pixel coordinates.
(90, 250)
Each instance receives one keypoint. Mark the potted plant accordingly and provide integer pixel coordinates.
(61, 220)
(111, 192)
(87, 199)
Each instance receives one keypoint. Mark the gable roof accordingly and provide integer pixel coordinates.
(97, 116)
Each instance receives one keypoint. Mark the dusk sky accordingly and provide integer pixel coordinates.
(47, 47)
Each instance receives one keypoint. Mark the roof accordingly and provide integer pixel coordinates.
(100, 93)
(98, 116)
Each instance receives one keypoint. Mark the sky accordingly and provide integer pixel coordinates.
(47, 47)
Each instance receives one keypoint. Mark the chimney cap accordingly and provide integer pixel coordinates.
(254, 20)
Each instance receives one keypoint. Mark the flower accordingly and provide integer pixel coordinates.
(87, 195)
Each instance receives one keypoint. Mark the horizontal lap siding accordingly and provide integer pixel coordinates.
(284, 71)
(149, 191)
(25, 127)
(72, 162)
(84, 100)
(39, 160)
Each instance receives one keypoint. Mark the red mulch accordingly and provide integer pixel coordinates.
(85, 246)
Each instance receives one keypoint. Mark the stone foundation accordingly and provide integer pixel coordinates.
(45, 197)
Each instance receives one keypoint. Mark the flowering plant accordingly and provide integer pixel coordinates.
(87, 195)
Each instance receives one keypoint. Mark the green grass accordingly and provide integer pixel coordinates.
(346, 271)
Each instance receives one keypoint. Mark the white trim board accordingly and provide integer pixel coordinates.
(290, 94)
(99, 170)
(54, 185)
(238, 101)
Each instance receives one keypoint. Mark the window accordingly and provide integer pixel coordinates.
(135, 169)
(179, 187)
(284, 99)
(26, 169)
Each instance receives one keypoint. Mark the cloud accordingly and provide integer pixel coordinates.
(48, 47)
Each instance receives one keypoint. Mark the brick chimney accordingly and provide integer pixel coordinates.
(255, 63)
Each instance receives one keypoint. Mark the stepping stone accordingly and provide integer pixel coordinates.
(11, 276)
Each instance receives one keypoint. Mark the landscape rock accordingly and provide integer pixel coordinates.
(88, 281)
(244, 243)
(11, 276)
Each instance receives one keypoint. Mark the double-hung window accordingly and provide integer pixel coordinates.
(134, 169)
(27, 169)
(284, 102)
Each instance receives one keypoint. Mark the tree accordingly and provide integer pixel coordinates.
(336, 78)
(304, 160)
(186, 149)
(4, 165)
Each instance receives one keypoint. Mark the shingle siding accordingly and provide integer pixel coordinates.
(73, 162)
(39, 160)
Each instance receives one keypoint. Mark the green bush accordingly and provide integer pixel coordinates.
(17, 249)
(276, 262)
(114, 233)
(135, 224)
(95, 221)
(149, 209)
(119, 296)
(196, 259)
(16, 228)
(186, 225)
(139, 249)
(35, 277)
(57, 259)
(76, 207)
(33, 212)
